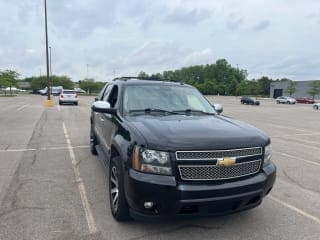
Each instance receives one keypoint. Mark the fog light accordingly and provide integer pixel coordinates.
(148, 205)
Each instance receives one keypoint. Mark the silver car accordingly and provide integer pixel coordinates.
(316, 106)
(68, 96)
(284, 99)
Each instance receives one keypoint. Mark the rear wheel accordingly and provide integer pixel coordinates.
(93, 142)
(118, 203)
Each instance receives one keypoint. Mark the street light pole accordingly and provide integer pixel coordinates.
(47, 50)
(50, 68)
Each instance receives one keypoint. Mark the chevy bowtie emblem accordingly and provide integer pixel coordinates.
(226, 162)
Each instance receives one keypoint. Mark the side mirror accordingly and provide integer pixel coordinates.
(96, 99)
(218, 108)
(102, 107)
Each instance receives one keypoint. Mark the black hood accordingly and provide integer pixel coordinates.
(181, 132)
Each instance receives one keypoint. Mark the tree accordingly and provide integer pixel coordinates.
(143, 75)
(314, 88)
(91, 86)
(264, 85)
(8, 78)
(291, 89)
(38, 83)
(247, 87)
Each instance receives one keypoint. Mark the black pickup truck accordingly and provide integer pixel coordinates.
(170, 153)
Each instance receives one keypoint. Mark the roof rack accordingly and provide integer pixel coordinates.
(163, 79)
(125, 78)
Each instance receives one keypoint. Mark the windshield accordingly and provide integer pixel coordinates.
(68, 92)
(169, 98)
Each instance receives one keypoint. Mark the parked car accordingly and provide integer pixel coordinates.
(305, 100)
(56, 91)
(284, 99)
(68, 96)
(249, 100)
(79, 90)
(170, 153)
(316, 106)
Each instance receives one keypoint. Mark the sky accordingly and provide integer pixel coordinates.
(102, 38)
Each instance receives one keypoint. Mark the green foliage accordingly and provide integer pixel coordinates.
(314, 88)
(247, 87)
(38, 83)
(8, 78)
(90, 86)
(219, 78)
(264, 85)
(291, 89)
(143, 75)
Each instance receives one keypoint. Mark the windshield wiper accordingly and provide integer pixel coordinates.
(189, 111)
(151, 110)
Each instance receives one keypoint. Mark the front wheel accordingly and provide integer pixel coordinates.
(316, 107)
(118, 203)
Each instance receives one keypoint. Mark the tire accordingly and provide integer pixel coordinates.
(315, 107)
(93, 142)
(60, 103)
(76, 103)
(278, 102)
(289, 102)
(118, 203)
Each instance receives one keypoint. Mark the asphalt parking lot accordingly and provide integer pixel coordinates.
(51, 187)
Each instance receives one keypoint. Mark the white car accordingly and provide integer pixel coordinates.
(284, 99)
(316, 106)
(68, 96)
(79, 90)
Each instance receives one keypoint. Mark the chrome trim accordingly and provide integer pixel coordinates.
(215, 166)
(209, 151)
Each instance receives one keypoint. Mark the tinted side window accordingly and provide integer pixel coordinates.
(113, 97)
(102, 92)
(106, 93)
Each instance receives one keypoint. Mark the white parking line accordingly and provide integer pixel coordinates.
(302, 141)
(82, 190)
(293, 208)
(41, 149)
(299, 143)
(275, 125)
(299, 159)
(22, 107)
(297, 134)
(59, 108)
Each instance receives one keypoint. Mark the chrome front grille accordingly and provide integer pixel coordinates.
(215, 172)
(209, 155)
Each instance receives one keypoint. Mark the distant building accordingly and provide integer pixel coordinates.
(279, 88)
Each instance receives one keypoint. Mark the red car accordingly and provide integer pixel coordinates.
(305, 100)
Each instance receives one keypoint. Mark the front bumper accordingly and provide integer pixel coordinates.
(179, 199)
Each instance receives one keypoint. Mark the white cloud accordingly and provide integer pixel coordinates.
(274, 38)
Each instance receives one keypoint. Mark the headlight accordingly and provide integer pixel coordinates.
(267, 154)
(151, 161)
